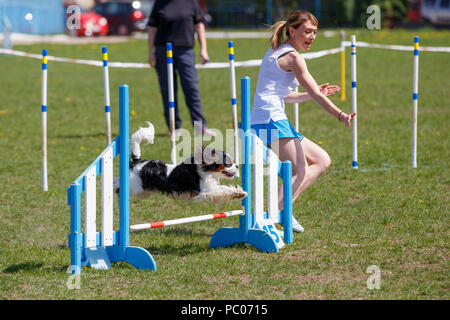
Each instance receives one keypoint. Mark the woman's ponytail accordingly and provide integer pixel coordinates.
(278, 34)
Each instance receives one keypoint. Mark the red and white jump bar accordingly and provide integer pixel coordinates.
(161, 224)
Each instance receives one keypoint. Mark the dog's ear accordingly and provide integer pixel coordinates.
(209, 156)
(211, 151)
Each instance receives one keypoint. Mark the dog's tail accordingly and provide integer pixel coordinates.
(142, 134)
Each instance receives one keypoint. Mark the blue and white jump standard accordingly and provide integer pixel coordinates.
(106, 94)
(98, 249)
(44, 120)
(264, 239)
(415, 102)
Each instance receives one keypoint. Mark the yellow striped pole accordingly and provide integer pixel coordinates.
(342, 65)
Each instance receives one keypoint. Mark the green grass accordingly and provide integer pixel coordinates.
(384, 214)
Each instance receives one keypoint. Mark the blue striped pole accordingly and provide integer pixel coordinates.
(44, 120)
(173, 155)
(234, 102)
(246, 221)
(124, 196)
(106, 93)
(415, 101)
(354, 106)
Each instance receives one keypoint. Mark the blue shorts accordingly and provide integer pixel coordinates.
(274, 130)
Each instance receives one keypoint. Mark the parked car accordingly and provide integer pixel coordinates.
(91, 24)
(436, 12)
(124, 17)
(414, 11)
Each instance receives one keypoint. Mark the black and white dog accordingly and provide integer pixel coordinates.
(187, 180)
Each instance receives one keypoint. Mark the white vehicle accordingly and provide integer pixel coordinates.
(436, 12)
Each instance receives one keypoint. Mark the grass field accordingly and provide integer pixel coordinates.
(385, 214)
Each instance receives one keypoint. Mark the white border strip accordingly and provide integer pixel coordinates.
(220, 65)
(211, 65)
(397, 47)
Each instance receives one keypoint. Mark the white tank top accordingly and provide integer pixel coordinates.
(274, 84)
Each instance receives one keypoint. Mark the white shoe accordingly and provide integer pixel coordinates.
(296, 226)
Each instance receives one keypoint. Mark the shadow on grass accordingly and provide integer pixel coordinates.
(191, 241)
(27, 266)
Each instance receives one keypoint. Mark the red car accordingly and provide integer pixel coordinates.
(92, 24)
(89, 24)
(124, 17)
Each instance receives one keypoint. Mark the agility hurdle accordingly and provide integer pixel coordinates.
(256, 227)
(99, 249)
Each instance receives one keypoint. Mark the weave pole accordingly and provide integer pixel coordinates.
(234, 102)
(44, 120)
(173, 154)
(343, 97)
(167, 223)
(354, 106)
(415, 101)
(106, 94)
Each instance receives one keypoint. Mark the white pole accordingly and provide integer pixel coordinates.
(234, 102)
(106, 93)
(44, 120)
(161, 224)
(415, 100)
(354, 105)
(173, 154)
(296, 112)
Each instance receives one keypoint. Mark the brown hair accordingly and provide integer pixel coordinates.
(295, 20)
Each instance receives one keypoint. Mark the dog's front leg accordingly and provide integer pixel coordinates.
(222, 193)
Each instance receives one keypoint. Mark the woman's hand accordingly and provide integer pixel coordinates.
(152, 59)
(328, 90)
(346, 118)
(204, 58)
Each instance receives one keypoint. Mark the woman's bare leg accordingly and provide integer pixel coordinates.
(301, 154)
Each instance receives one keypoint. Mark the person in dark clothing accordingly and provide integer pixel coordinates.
(176, 21)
